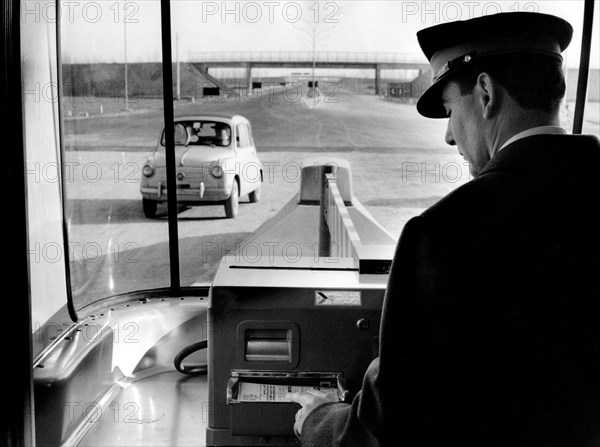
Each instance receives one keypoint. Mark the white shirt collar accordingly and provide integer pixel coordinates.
(540, 130)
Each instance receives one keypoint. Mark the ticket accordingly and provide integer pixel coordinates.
(260, 392)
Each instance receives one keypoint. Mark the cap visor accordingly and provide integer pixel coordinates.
(430, 103)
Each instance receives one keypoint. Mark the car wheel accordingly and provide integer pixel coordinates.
(232, 203)
(149, 207)
(254, 196)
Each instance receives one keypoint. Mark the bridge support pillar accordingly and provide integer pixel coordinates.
(377, 79)
(249, 76)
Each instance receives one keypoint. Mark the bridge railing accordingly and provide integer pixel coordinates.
(306, 56)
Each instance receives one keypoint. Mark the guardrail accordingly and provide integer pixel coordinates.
(343, 239)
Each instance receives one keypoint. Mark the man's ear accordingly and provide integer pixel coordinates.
(488, 95)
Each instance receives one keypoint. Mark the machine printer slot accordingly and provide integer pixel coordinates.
(257, 398)
(277, 380)
(268, 345)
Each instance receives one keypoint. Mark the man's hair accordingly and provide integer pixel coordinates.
(534, 81)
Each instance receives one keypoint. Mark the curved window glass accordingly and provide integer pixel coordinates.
(112, 112)
(286, 82)
(40, 105)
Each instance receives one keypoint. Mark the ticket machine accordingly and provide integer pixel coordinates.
(296, 306)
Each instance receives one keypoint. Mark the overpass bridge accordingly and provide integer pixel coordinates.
(309, 59)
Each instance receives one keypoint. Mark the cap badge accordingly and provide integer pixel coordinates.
(451, 65)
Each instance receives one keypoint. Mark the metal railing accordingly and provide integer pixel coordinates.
(306, 56)
(344, 240)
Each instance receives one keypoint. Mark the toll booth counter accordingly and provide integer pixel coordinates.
(282, 319)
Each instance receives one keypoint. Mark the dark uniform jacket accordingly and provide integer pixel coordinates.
(490, 331)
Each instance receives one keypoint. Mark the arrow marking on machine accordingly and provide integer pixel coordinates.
(338, 298)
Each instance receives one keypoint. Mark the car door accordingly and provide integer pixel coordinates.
(249, 172)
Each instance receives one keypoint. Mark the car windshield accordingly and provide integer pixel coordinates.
(201, 133)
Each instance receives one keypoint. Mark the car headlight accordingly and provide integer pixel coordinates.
(148, 170)
(217, 171)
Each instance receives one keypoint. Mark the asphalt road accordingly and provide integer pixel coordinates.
(400, 165)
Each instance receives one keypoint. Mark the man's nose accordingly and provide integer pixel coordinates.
(449, 137)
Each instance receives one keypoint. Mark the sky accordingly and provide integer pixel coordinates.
(112, 31)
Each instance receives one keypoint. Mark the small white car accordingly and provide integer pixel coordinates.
(216, 163)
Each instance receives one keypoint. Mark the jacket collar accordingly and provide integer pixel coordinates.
(539, 130)
(541, 152)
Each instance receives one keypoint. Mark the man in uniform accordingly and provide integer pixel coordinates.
(490, 330)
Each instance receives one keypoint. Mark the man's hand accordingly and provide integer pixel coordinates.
(309, 400)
